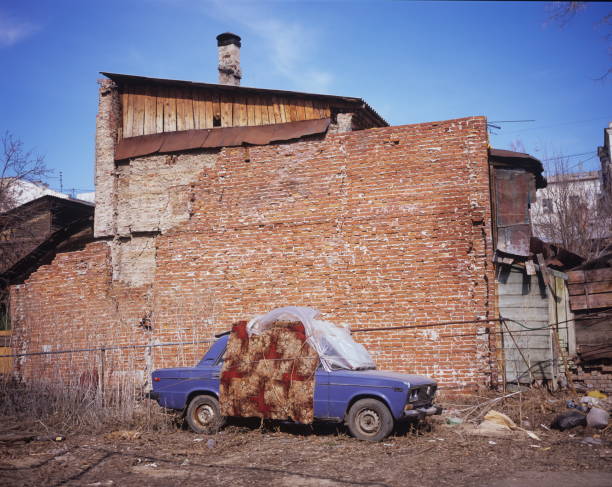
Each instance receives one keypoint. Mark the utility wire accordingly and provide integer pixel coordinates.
(573, 122)
(563, 156)
(525, 327)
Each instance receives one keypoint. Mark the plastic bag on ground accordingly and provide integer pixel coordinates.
(569, 420)
(504, 421)
(500, 418)
(598, 418)
(334, 345)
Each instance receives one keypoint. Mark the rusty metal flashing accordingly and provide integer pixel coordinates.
(356, 103)
(218, 137)
(519, 160)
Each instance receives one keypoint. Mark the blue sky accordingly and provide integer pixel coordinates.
(412, 61)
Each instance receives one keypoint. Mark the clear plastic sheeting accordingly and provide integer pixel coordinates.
(334, 345)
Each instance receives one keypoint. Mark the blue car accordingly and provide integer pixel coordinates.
(370, 402)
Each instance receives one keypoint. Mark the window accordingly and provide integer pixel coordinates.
(547, 206)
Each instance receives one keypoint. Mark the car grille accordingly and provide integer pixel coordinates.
(422, 394)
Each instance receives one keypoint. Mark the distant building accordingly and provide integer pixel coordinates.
(24, 228)
(568, 212)
(30, 236)
(89, 197)
(22, 191)
(605, 156)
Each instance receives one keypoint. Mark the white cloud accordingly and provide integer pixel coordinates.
(289, 45)
(12, 30)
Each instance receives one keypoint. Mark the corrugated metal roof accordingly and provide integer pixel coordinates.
(217, 137)
(121, 79)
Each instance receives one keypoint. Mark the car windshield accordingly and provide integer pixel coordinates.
(334, 344)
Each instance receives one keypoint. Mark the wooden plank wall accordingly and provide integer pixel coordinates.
(155, 109)
(521, 298)
(528, 301)
(590, 289)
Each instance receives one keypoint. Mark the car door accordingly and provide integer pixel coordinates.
(321, 393)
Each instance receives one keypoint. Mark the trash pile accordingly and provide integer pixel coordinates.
(591, 412)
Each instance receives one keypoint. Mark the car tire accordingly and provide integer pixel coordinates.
(204, 415)
(370, 420)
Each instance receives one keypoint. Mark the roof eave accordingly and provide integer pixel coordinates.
(358, 102)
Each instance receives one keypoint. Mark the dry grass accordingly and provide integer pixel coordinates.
(71, 407)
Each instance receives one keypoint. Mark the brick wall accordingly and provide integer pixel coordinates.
(380, 227)
(595, 375)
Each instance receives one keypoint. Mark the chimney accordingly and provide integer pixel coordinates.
(229, 59)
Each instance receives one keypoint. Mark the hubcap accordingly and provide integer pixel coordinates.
(368, 421)
(205, 414)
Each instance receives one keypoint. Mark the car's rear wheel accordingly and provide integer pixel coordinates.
(203, 415)
(370, 420)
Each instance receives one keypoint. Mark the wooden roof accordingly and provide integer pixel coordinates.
(155, 105)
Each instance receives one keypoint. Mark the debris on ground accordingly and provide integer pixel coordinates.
(453, 420)
(500, 425)
(442, 452)
(571, 404)
(589, 440)
(123, 435)
(596, 394)
(598, 418)
(569, 420)
(27, 437)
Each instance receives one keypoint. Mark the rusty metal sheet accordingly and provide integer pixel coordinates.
(184, 140)
(513, 191)
(514, 240)
(220, 137)
(135, 146)
(225, 137)
(513, 194)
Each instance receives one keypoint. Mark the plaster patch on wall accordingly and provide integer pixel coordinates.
(154, 191)
(133, 260)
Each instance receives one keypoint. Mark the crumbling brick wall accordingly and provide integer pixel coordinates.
(380, 227)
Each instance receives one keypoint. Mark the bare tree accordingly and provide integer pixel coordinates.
(563, 12)
(17, 164)
(573, 211)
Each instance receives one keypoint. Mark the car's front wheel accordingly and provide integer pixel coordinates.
(370, 420)
(203, 415)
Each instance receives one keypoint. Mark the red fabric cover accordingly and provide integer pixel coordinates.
(269, 375)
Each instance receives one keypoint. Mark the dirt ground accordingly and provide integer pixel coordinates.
(246, 454)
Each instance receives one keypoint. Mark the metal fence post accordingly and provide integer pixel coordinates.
(102, 370)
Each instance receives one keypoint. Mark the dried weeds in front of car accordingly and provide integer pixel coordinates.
(72, 407)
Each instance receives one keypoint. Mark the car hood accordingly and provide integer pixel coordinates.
(412, 379)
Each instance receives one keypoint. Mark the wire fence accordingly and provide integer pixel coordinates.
(90, 385)
(487, 331)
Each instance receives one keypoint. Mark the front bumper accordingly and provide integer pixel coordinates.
(422, 412)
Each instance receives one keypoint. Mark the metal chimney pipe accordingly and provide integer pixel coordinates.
(229, 59)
